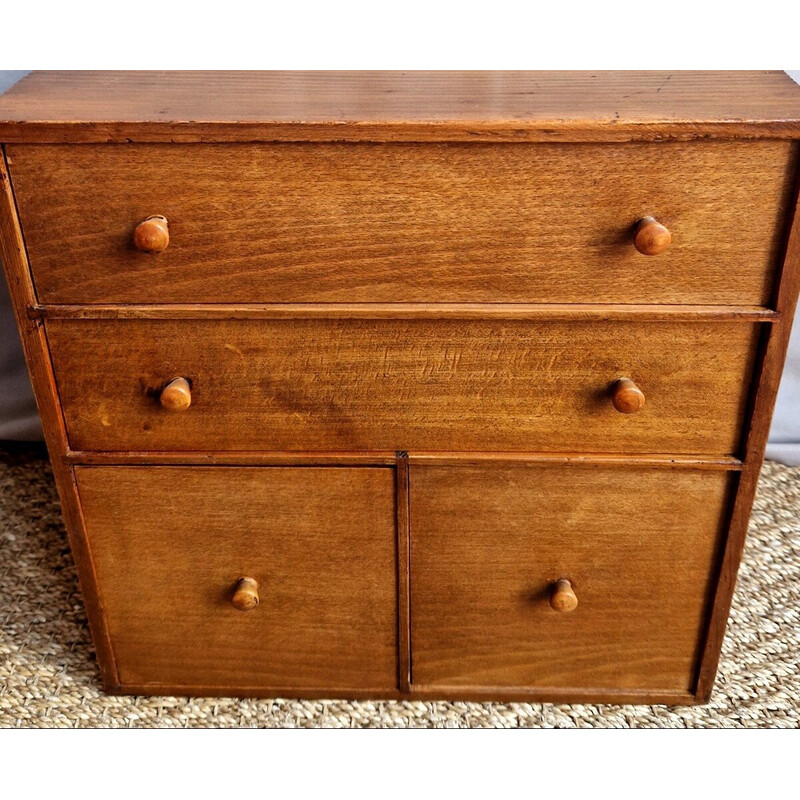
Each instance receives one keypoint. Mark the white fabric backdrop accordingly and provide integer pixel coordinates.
(18, 419)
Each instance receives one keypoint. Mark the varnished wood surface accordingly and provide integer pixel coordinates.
(231, 458)
(319, 541)
(488, 543)
(403, 385)
(396, 241)
(565, 312)
(90, 106)
(650, 237)
(767, 380)
(562, 596)
(380, 458)
(35, 347)
(521, 694)
(176, 395)
(152, 235)
(627, 397)
(405, 223)
(245, 594)
(403, 573)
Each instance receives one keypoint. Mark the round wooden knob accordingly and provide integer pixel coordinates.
(245, 594)
(562, 596)
(626, 396)
(176, 395)
(651, 238)
(152, 235)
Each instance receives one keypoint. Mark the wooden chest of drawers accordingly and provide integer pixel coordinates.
(405, 385)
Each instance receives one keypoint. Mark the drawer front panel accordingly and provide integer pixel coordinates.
(403, 222)
(170, 544)
(402, 384)
(489, 544)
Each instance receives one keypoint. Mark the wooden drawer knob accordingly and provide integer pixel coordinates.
(176, 395)
(626, 396)
(562, 596)
(245, 594)
(651, 238)
(152, 235)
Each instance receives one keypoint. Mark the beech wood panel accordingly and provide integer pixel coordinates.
(170, 544)
(405, 223)
(99, 106)
(487, 544)
(403, 385)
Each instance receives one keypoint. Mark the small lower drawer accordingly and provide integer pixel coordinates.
(463, 385)
(170, 545)
(489, 545)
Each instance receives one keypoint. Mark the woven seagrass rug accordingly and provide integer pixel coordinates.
(49, 678)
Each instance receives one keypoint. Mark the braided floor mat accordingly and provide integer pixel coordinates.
(49, 678)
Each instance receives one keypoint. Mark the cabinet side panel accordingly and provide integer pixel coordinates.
(768, 372)
(34, 342)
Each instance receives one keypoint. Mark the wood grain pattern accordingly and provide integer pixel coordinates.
(590, 460)
(767, 380)
(547, 312)
(365, 264)
(173, 106)
(35, 346)
(383, 458)
(522, 694)
(405, 223)
(403, 385)
(403, 573)
(318, 458)
(319, 541)
(487, 544)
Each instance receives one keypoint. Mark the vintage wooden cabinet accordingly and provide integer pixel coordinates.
(405, 384)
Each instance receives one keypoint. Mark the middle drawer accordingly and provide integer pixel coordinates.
(445, 385)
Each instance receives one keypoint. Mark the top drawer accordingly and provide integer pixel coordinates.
(404, 222)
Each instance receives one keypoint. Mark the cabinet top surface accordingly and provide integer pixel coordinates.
(187, 106)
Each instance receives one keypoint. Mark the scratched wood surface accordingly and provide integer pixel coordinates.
(411, 105)
(405, 223)
(488, 543)
(170, 543)
(365, 263)
(402, 385)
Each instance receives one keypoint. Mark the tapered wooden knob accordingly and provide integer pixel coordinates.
(562, 596)
(626, 396)
(176, 395)
(245, 594)
(651, 238)
(152, 235)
